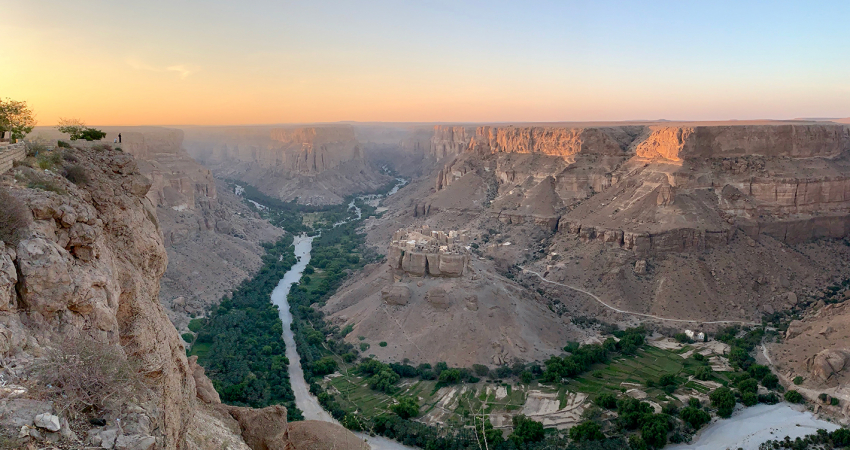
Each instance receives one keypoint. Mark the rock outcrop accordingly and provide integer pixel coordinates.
(828, 363)
(88, 267)
(315, 165)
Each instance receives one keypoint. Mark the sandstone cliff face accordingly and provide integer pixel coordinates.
(652, 188)
(89, 266)
(677, 143)
(316, 165)
(211, 238)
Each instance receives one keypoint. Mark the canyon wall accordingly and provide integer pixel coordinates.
(88, 267)
(315, 164)
(659, 187)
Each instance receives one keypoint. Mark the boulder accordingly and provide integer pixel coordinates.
(47, 421)
(396, 294)
(640, 267)
(828, 363)
(262, 429)
(438, 297)
(316, 435)
(204, 387)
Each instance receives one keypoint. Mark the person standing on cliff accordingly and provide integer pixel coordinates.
(119, 138)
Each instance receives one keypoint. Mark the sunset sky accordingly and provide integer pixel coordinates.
(180, 62)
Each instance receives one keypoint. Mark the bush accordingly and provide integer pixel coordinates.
(749, 398)
(695, 416)
(526, 377)
(823, 397)
(382, 343)
(526, 430)
(406, 408)
(768, 399)
(82, 374)
(770, 381)
(14, 217)
(606, 400)
(587, 431)
(793, 396)
(48, 160)
(748, 385)
(703, 373)
(188, 337)
(682, 338)
(34, 148)
(723, 399)
(449, 376)
(834, 401)
(654, 430)
(76, 174)
(46, 185)
(63, 144)
(195, 325)
(699, 357)
(798, 380)
(481, 370)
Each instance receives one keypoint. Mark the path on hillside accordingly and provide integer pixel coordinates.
(649, 316)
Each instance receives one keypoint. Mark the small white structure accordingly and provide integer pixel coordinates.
(699, 337)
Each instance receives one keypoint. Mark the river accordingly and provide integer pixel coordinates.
(305, 401)
(750, 427)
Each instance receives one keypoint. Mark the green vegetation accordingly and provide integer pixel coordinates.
(793, 396)
(15, 216)
(241, 343)
(587, 431)
(76, 129)
(406, 408)
(16, 117)
(823, 439)
(724, 400)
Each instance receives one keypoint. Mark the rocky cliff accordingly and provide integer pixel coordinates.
(211, 237)
(90, 359)
(316, 165)
(88, 267)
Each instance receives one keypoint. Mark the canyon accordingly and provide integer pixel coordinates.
(506, 242)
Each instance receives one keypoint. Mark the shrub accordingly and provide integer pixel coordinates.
(364, 346)
(324, 366)
(76, 174)
(682, 338)
(63, 144)
(834, 401)
(823, 397)
(587, 431)
(793, 396)
(481, 370)
(48, 160)
(703, 373)
(14, 217)
(654, 430)
(768, 399)
(195, 325)
(759, 371)
(406, 408)
(526, 430)
(526, 377)
(637, 443)
(46, 185)
(382, 343)
(449, 376)
(188, 337)
(798, 380)
(34, 148)
(695, 416)
(82, 374)
(749, 398)
(770, 381)
(748, 385)
(699, 357)
(606, 400)
(723, 399)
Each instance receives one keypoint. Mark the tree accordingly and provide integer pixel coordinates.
(770, 381)
(16, 117)
(724, 400)
(526, 430)
(695, 417)
(793, 396)
(606, 400)
(406, 408)
(77, 129)
(587, 431)
(654, 430)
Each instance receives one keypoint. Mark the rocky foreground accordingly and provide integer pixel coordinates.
(79, 282)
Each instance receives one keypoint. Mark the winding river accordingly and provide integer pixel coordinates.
(305, 401)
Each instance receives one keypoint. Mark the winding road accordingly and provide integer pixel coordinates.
(621, 311)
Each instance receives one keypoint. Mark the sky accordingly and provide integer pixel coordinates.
(217, 62)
